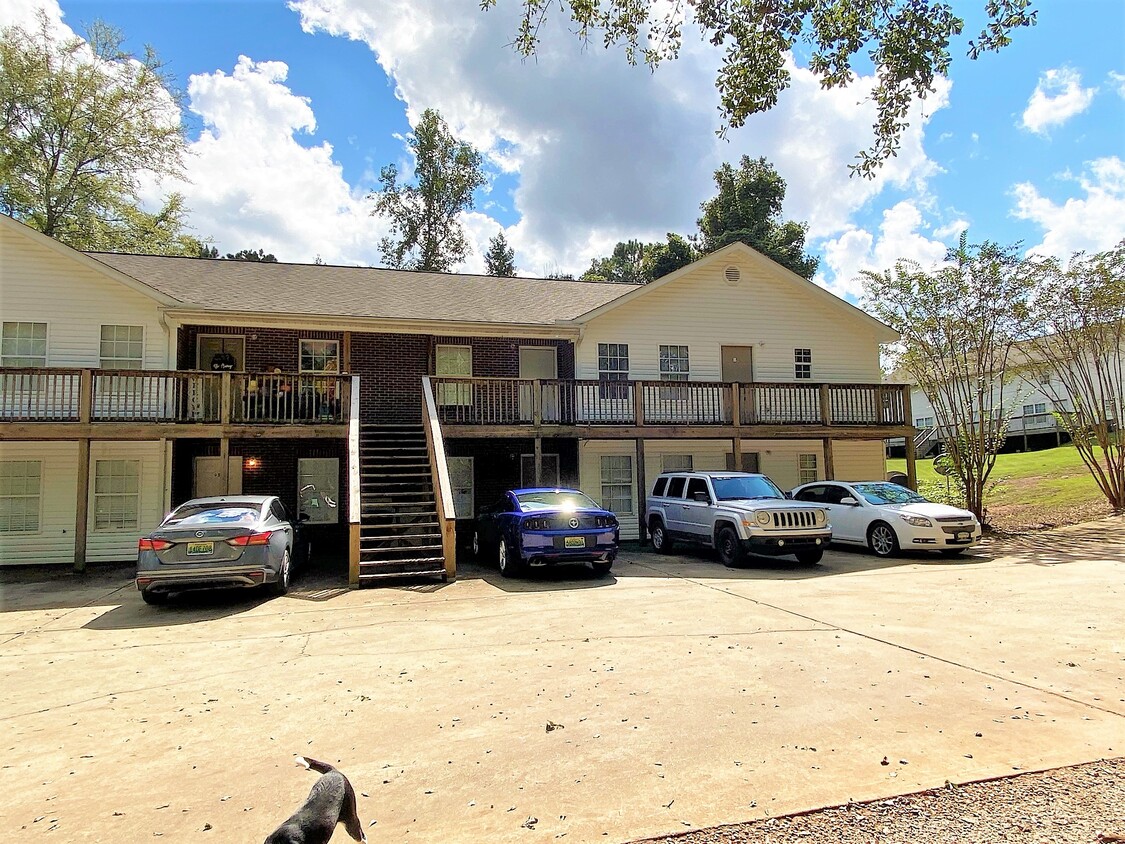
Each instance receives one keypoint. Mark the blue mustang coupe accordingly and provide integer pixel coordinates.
(540, 527)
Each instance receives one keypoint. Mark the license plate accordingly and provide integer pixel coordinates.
(574, 542)
(198, 549)
(964, 536)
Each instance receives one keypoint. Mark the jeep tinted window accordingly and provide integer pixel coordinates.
(697, 485)
(676, 487)
(661, 485)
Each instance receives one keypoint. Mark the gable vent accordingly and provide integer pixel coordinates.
(732, 275)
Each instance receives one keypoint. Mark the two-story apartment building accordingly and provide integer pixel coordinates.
(390, 406)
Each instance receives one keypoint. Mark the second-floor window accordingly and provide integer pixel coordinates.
(802, 363)
(1034, 409)
(674, 365)
(924, 422)
(122, 347)
(320, 356)
(613, 365)
(23, 344)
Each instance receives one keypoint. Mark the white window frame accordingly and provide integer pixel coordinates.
(611, 488)
(117, 361)
(530, 481)
(678, 354)
(808, 468)
(9, 495)
(16, 358)
(676, 463)
(328, 368)
(454, 394)
(802, 364)
(118, 525)
(323, 474)
(1037, 409)
(613, 365)
(924, 422)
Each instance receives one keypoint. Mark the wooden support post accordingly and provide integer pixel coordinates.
(353, 554)
(911, 457)
(82, 503)
(825, 406)
(224, 459)
(638, 403)
(642, 491)
(539, 461)
(225, 399)
(346, 353)
(85, 396)
(829, 466)
(736, 421)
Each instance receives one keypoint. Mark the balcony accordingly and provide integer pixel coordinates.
(50, 403)
(518, 407)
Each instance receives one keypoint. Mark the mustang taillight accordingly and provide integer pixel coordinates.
(537, 524)
(605, 521)
(153, 545)
(252, 539)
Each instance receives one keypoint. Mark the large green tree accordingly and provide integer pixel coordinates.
(500, 259)
(748, 208)
(425, 231)
(82, 122)
(254, 255)
(625, 265)
(907, 42)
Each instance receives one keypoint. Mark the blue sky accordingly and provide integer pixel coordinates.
(293, 108)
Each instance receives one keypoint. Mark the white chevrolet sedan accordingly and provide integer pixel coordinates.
(888, 518)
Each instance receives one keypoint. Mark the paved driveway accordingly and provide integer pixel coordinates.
(687, 694)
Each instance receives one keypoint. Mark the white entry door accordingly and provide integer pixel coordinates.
(540, 362)
(461, 481)
(209, 477)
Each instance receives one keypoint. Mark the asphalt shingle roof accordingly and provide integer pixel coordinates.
(312, 289)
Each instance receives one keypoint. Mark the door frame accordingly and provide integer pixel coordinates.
(748, 347)
(213, 336)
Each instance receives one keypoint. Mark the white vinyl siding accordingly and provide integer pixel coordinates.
(700, 310)
(859, 460)
(42, 285)
(117, 495)
(23, 344)
(20, 488)
(122, 347)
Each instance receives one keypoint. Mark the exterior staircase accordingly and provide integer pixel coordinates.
(400, 535)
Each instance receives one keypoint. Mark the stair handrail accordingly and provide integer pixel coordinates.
(355, 508)
(435, 445)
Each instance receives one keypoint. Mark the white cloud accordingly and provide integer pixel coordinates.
(1117, 81)
(1091, 222)
(1058, 97)
(252, 185)
(605, 151)
(857, 250)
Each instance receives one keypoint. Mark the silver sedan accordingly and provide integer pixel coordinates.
(212, 543)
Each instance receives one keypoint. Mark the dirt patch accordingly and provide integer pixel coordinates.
(1083, 804)
(1021, 518)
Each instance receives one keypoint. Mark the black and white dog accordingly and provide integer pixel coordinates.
(330, 802)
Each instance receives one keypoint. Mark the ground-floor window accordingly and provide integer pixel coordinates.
(750, 462)
(117, 494)
(617, 483)
(20, 487)
(676, 463)
(318, 489)
(807, 468)
(550, 465)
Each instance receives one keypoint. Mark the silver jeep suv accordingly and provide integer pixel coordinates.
(737, 513)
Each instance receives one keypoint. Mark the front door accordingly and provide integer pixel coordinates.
(212, 347)
(209, 477)
(539, 362)
(738, 364)
(461, 482)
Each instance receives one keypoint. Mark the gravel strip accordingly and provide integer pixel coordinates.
(1084, 804)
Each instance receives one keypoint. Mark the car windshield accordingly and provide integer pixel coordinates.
(558, 499)
(227, 515)
(886, 493)
(743, 486)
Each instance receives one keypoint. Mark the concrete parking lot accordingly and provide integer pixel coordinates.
(675, 694)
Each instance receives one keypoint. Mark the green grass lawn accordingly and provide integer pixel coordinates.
(1051, 486)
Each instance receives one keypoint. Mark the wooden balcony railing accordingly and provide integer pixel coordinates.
(513, 401)
(172, 396)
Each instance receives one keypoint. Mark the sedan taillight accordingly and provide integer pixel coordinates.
(147, 544)
(252, 539)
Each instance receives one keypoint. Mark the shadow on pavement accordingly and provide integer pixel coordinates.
(539, 579)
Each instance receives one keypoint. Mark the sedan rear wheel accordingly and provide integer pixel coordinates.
(281, 585)
(507, 560)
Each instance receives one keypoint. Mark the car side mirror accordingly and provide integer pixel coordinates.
(701, 497)
(849, 501)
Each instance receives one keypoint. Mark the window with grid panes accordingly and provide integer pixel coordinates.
(617, 483)
(20, 487)
(320, 356)
(122, 347)
(117, 494)
(802, 363)
(613, 365)
(23, 344)
(1034, 409)
(676, 463)
(806, 468)
(674, 366)
(924, 422)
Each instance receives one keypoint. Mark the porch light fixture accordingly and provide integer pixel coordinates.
(252, 463)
